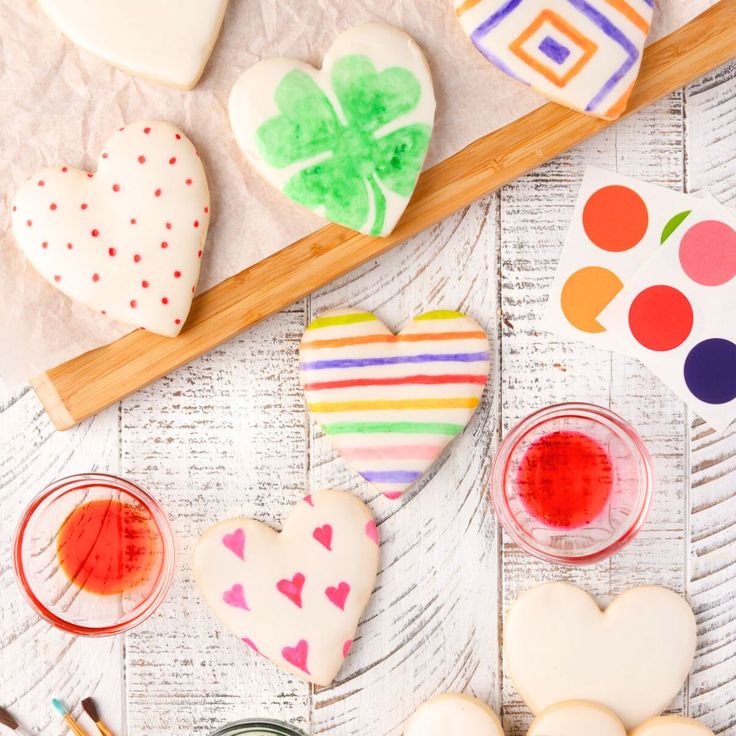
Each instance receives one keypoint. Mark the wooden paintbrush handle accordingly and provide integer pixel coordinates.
(103, 729)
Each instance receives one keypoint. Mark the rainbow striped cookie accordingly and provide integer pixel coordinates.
(391, 403)
(581, 53)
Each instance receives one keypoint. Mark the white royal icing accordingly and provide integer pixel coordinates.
(453, 714)
(295, 597)
(671, 726)
(167, 41)
(584, 54)
(632, 658)
(390, 404)
(576, 718)
(265, 93)
(128, 239)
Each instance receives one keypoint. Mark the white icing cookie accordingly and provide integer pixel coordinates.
(128, 239)
(632, 658)
(295, 597)
(453, 714)
(389, 403)
(671, 726)
(576, 718)
(167, 41)
(348, 141)
(584, 54)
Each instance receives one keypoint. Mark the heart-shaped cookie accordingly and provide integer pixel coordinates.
(347, 141)
(289, 596)
(128, 239)
(576, 718)
(453, 714)
(161, 40)
(581, 54)
(632, 658)
(389, 403)
(671, 726)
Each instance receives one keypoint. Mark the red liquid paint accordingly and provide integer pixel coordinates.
(107, 547)
(565, 479)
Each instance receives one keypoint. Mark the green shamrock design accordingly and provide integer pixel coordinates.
(351, 157)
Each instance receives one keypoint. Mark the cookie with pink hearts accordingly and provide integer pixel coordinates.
(126, 240)
(294, 596)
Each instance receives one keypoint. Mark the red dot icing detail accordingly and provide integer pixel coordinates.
(90, 175)
(83, 206)
(95, 277)
(145, 284)
(146, 130)
(137, 258)
(199, 254)
(112, 251)
(196, 223)
(141, 159)
(177, 274)
(165, 300)
(177, 321)
(116, 187)
(69, 246)
(64, 169)
(52, 206)
(41, 182)
(133, 303)
(172, 160)
(57, 278)
(660, 318)
(95, 233)
(189, 182)
(164, 244)
(133, 221)
(178, 137)
(168, 226)
(29, 223)
(206, 210)
(44, 245)
(157, 193)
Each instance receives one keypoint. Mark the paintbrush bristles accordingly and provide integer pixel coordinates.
(91, 709)
(7, 720)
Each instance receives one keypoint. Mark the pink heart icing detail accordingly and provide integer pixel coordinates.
(292, 589)
(297, 656)
(236, 597)
(371, 531)
(235, 542)
(251, 644)
(338, 595)
(323, 534)
(346, 647)
(308, 500)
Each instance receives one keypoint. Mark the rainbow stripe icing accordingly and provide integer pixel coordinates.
(389, 403)
(584, 54)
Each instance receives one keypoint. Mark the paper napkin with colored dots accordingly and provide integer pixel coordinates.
(677, 313)
(618, 223)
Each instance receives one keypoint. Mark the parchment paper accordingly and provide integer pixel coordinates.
(59, 104)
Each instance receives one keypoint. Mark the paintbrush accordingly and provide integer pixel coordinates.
(74, 727)
(91, 710)
(7, 720)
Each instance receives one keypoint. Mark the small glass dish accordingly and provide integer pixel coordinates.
(258, 727)
(94, 554)
(521, 470)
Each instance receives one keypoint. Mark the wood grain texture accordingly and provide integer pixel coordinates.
(228, 434)
(84, 385)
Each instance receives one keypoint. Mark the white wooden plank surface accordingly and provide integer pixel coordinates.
(229, 435)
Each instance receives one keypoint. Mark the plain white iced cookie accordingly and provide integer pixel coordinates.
(671, 726)
(576, 718)
(295, 597)
(167, 41)
(586, 56)
(347, 141)
(453, 714)
(126, 240)
(632, 658)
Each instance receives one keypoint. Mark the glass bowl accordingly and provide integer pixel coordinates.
(258, 727)
(94, 554)
(616, 456)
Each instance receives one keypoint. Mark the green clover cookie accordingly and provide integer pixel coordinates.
(347, 142)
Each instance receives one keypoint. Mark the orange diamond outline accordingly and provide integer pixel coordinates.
(559, 23)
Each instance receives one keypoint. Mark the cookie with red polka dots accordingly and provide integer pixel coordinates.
(126, 240)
